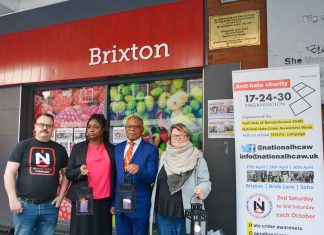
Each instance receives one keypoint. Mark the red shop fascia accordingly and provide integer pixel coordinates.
(165, 37)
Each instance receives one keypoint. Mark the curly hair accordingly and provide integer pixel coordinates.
(99, 117)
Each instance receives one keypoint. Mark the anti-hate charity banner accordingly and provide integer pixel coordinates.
(279, 152)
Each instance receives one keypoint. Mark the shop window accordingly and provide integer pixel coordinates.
(71, 109)
(160, 104)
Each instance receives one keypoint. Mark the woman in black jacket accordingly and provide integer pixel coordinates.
(92, 162)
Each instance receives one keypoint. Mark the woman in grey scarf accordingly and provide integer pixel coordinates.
(182, 179)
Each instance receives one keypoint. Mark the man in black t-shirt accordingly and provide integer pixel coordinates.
(33, 197)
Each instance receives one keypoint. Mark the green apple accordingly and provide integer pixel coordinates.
(195, 137)
(162, 101)
(146, 131)
(120, 87)
(119, 97)
(118, 107)
(156, 91)
(196, 92)
(113, 93)
(174, 89)
(126, 90)
(129, 98)
(163, 146)
(134, 88)
(187, 109)
(177, 83)
(149, 101)
(131, 105)
(195, 105)
(140, 107)
(140, 96)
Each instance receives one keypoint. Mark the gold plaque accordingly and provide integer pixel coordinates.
(234, 30)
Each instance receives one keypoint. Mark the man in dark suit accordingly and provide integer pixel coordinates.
(141, 167)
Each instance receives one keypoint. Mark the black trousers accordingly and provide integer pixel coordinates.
(100, 223)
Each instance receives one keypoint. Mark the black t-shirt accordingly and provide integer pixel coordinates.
(165, 203)
(40, 164)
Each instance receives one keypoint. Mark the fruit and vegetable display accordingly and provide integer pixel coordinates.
(71, 108)
(160, 104)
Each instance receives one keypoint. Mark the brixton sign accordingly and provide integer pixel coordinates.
(116, 55)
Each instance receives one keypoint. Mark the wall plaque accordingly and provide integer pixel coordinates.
(234, 30)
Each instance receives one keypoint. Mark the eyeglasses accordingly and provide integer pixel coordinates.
(133, 127)
(180, 137)
(42, 125)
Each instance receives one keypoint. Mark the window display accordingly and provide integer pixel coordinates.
(71, 109)
(160, 104)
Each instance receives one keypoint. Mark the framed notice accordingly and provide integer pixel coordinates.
(234, 30)
(119, 135)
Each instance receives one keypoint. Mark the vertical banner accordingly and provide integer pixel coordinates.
(279, 152)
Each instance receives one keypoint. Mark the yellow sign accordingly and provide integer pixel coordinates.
(234, 30)
(249, 228)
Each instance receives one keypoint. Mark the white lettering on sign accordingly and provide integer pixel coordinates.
(98, 56)
(41, 159)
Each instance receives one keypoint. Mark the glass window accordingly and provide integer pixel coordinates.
(160, 104)
(71, 109)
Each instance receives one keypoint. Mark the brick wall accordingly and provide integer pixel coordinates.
(250, 57)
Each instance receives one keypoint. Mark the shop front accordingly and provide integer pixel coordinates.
(146, 62)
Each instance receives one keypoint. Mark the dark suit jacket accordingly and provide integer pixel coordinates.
(78, 158)
(147, 157)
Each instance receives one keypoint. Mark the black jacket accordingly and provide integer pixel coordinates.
(78, 158)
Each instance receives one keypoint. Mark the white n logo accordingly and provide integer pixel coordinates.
(41, 160)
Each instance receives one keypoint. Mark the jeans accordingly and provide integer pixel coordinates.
(38, 218)
(170, 225)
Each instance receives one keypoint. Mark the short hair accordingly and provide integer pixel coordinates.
(46, 115)
(136, 117)
(182, 128)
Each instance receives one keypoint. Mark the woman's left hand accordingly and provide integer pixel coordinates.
(199, 193)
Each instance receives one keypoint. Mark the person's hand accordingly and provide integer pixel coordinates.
(15, 206)
(132, 169)
(84, 170)
(57, 201)
(112, 210)
(199, 193)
